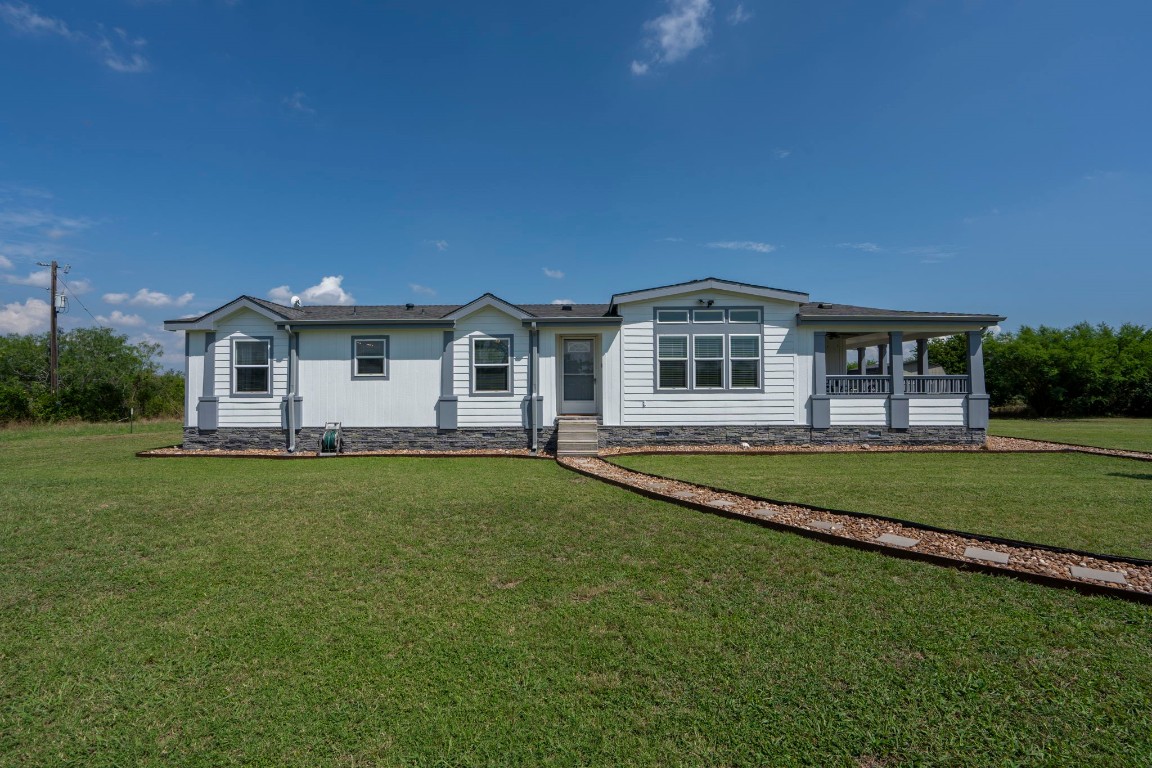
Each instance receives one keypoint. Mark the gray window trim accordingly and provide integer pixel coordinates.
(511, 339)
(691, 330)
(271, 342)
(687, 363)
(387, 357)
(723, 315)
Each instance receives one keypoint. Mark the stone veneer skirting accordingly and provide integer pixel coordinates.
(433, 439)
(368, 438)
(638, 437)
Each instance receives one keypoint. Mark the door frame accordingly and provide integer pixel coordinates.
(597, 406)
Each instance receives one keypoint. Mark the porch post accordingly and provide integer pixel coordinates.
(897, 401)
(821, 407)
(861, 360)
(922, 357)
(446, 406)
(208, 406)
(882, 358)
(977, 395)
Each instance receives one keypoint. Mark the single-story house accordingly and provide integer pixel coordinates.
(704, 362)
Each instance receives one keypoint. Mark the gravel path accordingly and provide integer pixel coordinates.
(1101, 570)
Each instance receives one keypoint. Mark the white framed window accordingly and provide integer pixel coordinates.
(672, 362)
(707, 315)
(671, 315)
(370, 357)
(492, 364)
(252, 366)
(744, 316)
(744, 361)
(708, 361)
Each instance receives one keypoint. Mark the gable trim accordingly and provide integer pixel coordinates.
(709, 283)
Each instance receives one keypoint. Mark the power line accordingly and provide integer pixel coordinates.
(77, 298)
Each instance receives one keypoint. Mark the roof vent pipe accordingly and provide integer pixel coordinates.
(566, 307)
(409, 306)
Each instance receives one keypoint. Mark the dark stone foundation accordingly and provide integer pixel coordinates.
(447, 440)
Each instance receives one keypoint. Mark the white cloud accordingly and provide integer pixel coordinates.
(422, 289)
(866, 247)
(671, 240)
(118, 318)
(148, 298)
(51, 224)
(119, 51)
(441, 245)
(781, 153)
(671, 37)
(563, 301)
(42, 278)
(295, 102)
(743, 245)
(555, 274)
(930, 254)
(29, 317)
(5, 263)
(327, 291)
(739, 15)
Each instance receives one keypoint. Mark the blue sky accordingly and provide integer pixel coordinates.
(968, 156)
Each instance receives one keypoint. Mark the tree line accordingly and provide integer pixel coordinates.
(101, 377)
(1084, 370)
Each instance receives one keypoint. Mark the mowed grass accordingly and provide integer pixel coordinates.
(1080, 501)
(1126, 434)
(396, 611)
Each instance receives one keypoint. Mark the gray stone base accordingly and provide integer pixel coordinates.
(368, 438)
(638, 437)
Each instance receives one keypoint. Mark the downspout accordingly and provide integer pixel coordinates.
(532, 413)
(291, 403)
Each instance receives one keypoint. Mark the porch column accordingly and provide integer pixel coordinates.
(882, 358)
(922, 357)
(861, 360)
(897, 401)
(821, 407)
(977, 395)
(446, 406)
(535, 397)
(208, 407)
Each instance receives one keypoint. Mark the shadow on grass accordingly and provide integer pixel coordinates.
(1131, 475)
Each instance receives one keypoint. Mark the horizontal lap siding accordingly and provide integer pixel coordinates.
(406, 398)
(936, 411)
(864, 411)
(642, 405)
(505, 410)
(250, 410)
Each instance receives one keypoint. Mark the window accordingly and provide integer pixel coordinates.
(708, 358)
(671, 315)
(492, 364)
(744, 352)
(744, 316)
(707, 315)
(251, 366)
(370, 356)
(672, 362)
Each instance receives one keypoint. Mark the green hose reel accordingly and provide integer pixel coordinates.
(331, 441)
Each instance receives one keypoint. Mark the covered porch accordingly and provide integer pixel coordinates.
(902, 391)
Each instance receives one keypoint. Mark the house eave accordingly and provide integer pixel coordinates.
(545, 322)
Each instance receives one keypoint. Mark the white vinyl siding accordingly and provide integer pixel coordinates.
(479, 409)
(779, 402)
(859, 410)
(923, 411)
(405, 398)
(250, 410)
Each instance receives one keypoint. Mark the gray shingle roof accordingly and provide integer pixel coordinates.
(815, 309)
(417, 311)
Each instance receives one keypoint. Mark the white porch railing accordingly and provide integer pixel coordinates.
(935, 385)
(859, 385)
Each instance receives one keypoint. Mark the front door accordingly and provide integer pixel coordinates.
(578, 376)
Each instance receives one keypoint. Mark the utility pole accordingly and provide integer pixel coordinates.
(54, 308)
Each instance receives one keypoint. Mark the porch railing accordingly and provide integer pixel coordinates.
(935, 385)
(882, 385)
(859, 385)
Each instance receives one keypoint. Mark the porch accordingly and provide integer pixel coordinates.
(897, 393)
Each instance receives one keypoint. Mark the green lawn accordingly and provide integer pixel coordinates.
(1127, 434)
(398, 611)
(1069, 500)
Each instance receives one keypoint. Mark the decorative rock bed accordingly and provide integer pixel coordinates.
(1125, 577)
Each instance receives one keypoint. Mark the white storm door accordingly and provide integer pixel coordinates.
(578, 376)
